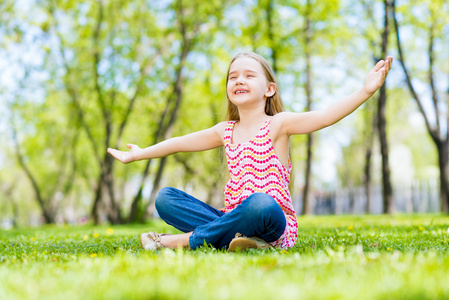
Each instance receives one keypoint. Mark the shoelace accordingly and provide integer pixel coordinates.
(238, 234)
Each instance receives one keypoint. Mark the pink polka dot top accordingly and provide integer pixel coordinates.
(255, 168)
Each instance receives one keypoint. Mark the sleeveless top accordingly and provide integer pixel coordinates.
(255, 168)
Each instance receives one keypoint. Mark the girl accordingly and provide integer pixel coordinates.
(258, 210)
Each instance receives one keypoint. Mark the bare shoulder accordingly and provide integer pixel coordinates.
(290, 123)
(277, 127)
(280, 121)
(278, 118)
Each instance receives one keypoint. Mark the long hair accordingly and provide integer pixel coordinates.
(273, 104)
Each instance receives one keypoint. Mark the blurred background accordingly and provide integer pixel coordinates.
(77, 77)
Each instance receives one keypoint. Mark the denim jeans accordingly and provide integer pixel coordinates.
(259, 215)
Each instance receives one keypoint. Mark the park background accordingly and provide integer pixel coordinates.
(77, 77)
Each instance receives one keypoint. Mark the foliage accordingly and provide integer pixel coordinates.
(371, 257)
(71, 69)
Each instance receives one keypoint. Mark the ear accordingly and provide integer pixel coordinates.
(271, 89)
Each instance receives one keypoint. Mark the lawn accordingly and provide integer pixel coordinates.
(336, 257)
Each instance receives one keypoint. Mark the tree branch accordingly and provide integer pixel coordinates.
(142, 72)
(73, 94)
(433, 133)
(431, 79)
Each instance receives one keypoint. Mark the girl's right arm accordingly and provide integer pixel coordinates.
(306, 122)
(198, 141)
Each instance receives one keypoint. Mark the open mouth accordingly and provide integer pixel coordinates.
(241, 92)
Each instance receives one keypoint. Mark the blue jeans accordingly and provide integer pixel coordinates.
(258, 215)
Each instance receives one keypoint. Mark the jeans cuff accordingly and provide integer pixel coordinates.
(192, 244)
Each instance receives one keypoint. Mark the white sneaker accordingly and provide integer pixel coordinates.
(151, 241)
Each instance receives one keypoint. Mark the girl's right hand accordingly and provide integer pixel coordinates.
(123, 156)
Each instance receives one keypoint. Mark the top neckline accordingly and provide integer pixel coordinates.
(231, 140)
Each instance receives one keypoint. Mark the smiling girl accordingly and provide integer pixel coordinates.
(258, 210)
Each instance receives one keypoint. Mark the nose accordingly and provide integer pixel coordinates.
(240, 80)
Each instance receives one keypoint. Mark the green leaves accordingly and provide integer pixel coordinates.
(88, 61)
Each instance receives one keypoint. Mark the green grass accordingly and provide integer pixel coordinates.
(346, 257)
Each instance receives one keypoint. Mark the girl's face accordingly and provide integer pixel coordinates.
(247, 83)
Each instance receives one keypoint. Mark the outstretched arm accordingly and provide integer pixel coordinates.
(300, 123)
(197, 141)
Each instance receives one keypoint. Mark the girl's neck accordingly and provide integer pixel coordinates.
(252, 118)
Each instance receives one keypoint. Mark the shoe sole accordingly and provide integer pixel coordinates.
(242, 244)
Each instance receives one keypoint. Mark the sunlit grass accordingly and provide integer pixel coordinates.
(347, 257)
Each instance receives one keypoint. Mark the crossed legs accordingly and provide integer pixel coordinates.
(259, 215)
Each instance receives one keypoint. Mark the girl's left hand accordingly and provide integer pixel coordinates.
(377, 75)
(123, 156)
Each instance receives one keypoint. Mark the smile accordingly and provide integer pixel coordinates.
(241, 92)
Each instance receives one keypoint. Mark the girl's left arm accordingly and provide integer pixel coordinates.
(301, 123)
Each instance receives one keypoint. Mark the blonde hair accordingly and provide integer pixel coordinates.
(273, 104)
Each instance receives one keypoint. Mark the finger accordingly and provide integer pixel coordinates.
(386, 67)
(388, 63)
(383, 74)
(378, 66)
(114, 153)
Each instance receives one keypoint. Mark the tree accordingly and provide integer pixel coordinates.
(33, 122)
(101, 56)
(307, 208)
(189, 26)
(317, 26)
(370, 116)
(388, 205)
(436, 16)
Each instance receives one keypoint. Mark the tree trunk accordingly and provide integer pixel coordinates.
(95, 212)
(370, 133)
(387, 190)
(114, 214)
(440, 140)
(14, 206)
(137, 200)
(388, 206)
(307, 207)
(351, 198)
(47, 214)
(444, 169)
(136, 212)
(156, 183)
(367, 177)
(443, 165)
(269, 15)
